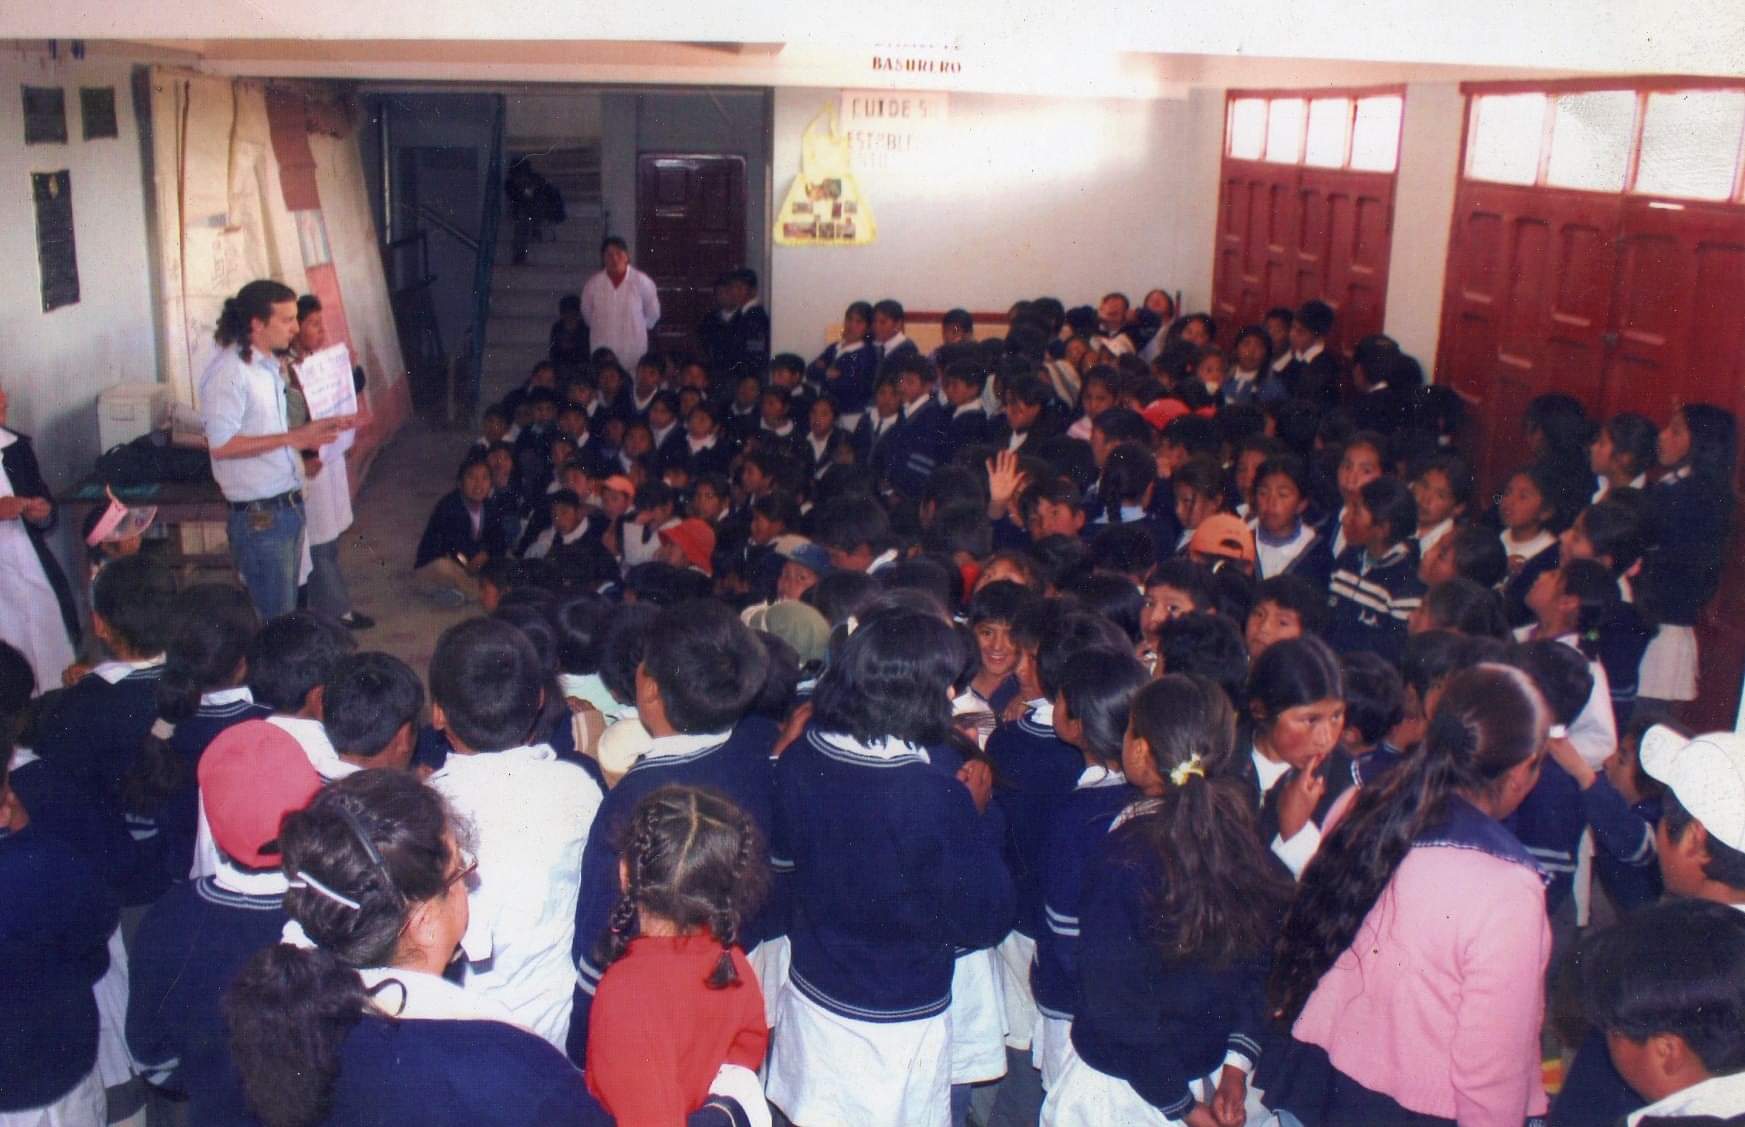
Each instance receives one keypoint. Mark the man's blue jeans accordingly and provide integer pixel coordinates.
(266, 545)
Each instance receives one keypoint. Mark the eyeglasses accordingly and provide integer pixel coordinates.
(468, 866)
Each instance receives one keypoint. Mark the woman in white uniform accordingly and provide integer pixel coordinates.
(39, 618)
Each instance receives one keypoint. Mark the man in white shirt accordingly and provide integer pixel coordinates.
(254, 448)
(620, 304)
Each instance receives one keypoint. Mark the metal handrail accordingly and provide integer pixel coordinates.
(444, 224)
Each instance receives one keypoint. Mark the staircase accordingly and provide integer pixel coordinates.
(524, 298)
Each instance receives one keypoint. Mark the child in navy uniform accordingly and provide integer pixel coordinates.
(54, 946)
(94, 731)
(349, 1019)
(893, 871)
(1528, 511)
(1090, 712)
(1375, 585)
(1179, 910)
(679, 1023)
(701, 670)
(192, 942)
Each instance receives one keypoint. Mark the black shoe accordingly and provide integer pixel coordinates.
(357, 620)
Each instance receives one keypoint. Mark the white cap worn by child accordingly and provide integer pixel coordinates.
(1706, 774)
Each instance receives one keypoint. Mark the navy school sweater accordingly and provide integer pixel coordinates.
(1516, 586)
(1075, 837)
(94, 729)
(1549, 822)
(740, 768)
(54, 946)
(1625, 861)
(1035, 772)
(892, 872)
(61, 809)
(167, 846)
(190, 947)
(1682, 571)
(1372, 599)
(1155, 1023)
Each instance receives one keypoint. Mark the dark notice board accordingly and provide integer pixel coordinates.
(97, 110)
(45, 115)
(53, 192)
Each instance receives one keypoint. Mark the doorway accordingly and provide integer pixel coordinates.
(690, 230)
(1598, 250)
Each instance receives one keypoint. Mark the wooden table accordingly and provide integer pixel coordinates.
(186, 510)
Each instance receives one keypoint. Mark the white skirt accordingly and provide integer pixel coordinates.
(114, 1064)
(978, 1019)
(1084, 1097)
(1016, 952)
(770, 960)
(1669, 665)
(1050, 1047)
(826, 1069)
(84, 1106)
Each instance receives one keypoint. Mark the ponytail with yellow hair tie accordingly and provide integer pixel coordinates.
(1190, 767)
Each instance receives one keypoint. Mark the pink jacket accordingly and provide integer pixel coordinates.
(1439, 1000)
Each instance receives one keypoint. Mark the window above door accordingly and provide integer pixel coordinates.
(1349, 129)
(1646, 137)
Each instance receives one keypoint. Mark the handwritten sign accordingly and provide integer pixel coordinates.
(885, 127)
(329, 391)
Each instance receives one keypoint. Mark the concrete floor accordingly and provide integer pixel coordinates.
(409, 475)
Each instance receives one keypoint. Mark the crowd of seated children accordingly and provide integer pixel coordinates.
(1085, 723)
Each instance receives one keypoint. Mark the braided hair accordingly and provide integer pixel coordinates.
(254, 302)
(696, 860)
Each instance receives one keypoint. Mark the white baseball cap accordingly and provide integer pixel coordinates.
(1707, 776)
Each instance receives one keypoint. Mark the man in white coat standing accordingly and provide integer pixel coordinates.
(620, 305)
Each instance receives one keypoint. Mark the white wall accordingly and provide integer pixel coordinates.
(54, 364)
(1423, 210)
(1024, 197)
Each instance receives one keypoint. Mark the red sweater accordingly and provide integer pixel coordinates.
(657, 1033)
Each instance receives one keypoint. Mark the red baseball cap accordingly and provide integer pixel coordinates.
(696, 539)
(251, 776)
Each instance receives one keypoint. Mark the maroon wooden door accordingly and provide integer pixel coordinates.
(1287, 234)
(690, 229)
(1680, 327)
(1526, 306)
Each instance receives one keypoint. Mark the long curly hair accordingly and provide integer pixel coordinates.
(695, 859)
(1221, 897)
(1489, 719)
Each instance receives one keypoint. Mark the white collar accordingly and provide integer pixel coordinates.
(317, 748)
(227, 696)
(845, 349)
(882, 422)
(681, 744)
(1238, 376)
(1283, 361)
(915, 405)
(1266, 770)
(458, 763)
(573, 534)
(249, 882)
(642, 402)
(818, 444)
(1719, 1096)
(115, 672)
(882, 560)
(7, 438)
(1042, 712)
(782, 431)
(887, 748)
(699, 446)
(1092, 778)
(748, 306)
(972, 405)
(661, 433)
(1311, 352)
(420, 996)
(896, 341)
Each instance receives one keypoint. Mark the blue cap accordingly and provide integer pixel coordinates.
(807, 555)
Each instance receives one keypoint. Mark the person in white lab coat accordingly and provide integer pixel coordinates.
(619, 304)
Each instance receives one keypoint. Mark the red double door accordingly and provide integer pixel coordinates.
(1289, 233)
(1626, 303)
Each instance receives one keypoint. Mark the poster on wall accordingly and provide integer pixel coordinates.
(824, 205)
(55, 251)
(893, 128)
